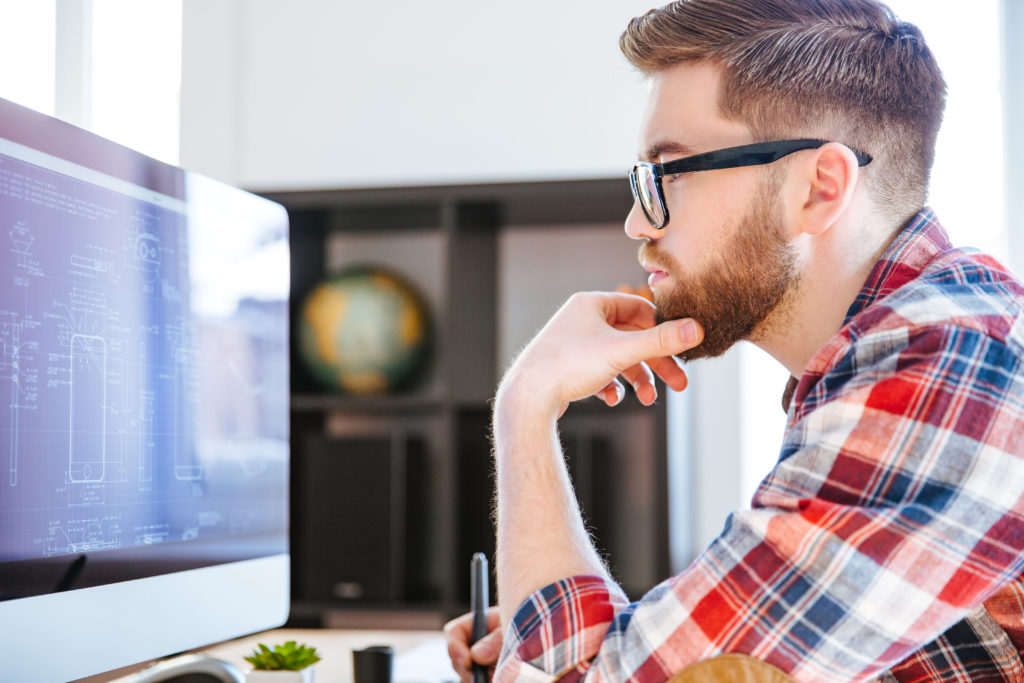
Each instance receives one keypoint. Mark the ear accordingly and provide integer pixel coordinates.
(828, 179)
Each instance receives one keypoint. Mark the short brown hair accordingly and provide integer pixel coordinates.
(847, 70)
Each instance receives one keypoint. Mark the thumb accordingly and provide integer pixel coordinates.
(670, 338)
(486, 650)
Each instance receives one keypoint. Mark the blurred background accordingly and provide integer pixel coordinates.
(481, 151)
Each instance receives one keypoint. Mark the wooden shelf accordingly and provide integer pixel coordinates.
(322, 403)
(448, 240)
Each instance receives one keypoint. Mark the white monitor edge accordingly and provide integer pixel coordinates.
(63, 636)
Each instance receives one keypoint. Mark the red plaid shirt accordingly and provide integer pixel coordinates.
(887, 542)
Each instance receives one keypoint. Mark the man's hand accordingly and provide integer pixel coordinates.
(593, 339)
(485, 651)
(589, 343)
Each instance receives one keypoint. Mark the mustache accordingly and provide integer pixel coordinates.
(653, 256)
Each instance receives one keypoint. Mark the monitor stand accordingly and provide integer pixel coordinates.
(190, 668)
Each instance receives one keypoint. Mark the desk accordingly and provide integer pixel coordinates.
(420, 656)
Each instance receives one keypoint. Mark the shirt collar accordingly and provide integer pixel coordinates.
(907, 255)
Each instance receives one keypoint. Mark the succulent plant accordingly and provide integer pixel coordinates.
(287, 657)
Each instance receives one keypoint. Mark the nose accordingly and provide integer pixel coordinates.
(637, 225)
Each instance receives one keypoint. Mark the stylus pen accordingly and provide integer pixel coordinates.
(479, 600)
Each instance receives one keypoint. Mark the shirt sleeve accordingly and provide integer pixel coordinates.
(897, 506)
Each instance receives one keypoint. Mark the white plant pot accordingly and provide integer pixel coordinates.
(303, 676)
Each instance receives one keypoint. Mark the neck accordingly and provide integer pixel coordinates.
(835, 266)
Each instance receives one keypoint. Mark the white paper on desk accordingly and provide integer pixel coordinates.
(426, 663)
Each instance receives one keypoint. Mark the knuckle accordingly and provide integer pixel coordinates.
(578, 298)
(665, 336)
(587, 296)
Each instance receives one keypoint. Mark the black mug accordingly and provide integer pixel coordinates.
(372, 664)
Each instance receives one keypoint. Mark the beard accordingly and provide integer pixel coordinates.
(740, 286)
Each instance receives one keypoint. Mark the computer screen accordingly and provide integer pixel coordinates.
(144, 420)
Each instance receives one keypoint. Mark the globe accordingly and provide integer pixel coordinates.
(364, 331)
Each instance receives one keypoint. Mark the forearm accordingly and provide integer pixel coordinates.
(594, 339)
(540, 533)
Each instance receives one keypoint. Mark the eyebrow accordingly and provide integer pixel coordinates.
(667, 147)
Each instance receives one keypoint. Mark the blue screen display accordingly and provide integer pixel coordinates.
(143, 361)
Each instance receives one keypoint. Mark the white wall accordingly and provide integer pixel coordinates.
(603, 258)
(322, 93)
(1012, 21)
(329, 93)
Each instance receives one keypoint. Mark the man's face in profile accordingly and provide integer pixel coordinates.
(723, 259)
(739, 286)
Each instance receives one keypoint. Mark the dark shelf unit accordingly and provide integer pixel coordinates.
(439, 429)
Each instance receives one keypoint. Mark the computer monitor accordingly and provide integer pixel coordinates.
(144, 419)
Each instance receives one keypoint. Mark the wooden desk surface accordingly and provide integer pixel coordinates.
(335, 648)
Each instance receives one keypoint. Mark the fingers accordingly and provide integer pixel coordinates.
(595, 339)
(493, 618)
(622, 310)
(486, 650)
(458, 633)
(651, 342)
(642, 380)
(670, 371)
(669, 338)
(613, 393)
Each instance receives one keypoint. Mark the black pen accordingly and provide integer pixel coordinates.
(479, 600)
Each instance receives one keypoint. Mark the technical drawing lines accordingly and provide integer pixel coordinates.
(146, 409)
(82, 535)
(22, 241)
(187, 465)
(21, 238)
(149, 534)
(16, 355)
(88, 432)
(15, 412)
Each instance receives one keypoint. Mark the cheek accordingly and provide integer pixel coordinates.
(706, 210)
(697, 239)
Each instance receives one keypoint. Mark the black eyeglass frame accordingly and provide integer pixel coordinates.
(756, 154)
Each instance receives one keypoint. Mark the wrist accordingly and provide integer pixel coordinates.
(525, 400)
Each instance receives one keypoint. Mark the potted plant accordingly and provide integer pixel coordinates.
(288, 663)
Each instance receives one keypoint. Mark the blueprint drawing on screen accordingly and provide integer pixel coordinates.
(131, 407)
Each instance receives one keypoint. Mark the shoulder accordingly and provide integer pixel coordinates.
(960, 321)
(960, 289)
(935, 366)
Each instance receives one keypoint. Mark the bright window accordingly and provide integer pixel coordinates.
(28, 42)
(136, 75)
(131, 93)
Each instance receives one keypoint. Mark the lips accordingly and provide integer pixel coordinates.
(657, 275)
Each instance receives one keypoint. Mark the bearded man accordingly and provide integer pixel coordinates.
(786, 148)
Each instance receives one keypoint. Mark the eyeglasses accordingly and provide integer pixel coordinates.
(645, 178)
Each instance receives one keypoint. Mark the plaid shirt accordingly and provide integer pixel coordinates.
(887, 542)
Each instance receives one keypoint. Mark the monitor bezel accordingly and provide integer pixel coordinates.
(110, 616)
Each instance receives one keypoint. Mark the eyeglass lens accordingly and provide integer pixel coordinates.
(645, 189)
